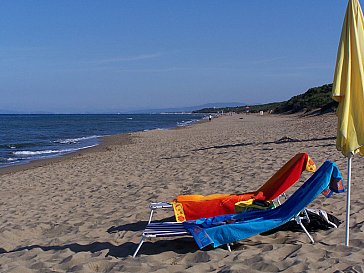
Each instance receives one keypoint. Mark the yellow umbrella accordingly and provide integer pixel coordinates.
(348, 90)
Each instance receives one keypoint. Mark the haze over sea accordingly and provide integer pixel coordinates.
(24, 138)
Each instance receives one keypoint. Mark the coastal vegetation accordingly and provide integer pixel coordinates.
(316, 100)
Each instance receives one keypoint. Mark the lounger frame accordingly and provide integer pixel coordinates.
(175, 229)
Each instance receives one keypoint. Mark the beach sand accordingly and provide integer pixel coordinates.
(85, 212)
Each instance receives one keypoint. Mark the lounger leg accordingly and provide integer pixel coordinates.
(151, 215)
(306, 215)
(299, 221)
(228, 247)
(139, 246)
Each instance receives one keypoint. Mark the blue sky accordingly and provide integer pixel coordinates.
(107, 56)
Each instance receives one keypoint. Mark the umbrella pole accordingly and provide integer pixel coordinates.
(348, 201)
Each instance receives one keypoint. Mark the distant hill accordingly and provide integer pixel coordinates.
(188, 109)
(317, 99)
(5, 112)
(13, 112)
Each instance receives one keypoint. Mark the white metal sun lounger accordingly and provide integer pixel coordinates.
(158, 205)
(255, 222)
(174, 229)
(163, 229)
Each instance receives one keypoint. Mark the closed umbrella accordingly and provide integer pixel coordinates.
(348, 91)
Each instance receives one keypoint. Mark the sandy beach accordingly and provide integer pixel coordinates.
(85, 212)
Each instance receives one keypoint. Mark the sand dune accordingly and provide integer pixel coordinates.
(85, 212)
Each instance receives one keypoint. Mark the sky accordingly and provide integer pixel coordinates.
(118, 55)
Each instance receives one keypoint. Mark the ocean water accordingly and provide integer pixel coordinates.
(24, 138)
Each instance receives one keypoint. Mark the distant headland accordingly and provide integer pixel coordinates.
(315, 100)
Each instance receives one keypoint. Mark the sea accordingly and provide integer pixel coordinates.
(25, 138)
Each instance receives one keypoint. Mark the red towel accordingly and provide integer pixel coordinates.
(192, 207)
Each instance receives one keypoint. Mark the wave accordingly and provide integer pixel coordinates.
(18, 145)
(49, 152)
(155, 129)
(11, 159)
(44, 152)
(74, 140)
(186, 123)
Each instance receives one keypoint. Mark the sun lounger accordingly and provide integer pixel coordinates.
(190, 207)
(164, 229)
(226, 229)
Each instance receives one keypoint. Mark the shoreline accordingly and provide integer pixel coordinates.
(116, 139)
(104, 142)
(110, 140)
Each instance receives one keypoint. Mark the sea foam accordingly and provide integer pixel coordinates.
(48, 152)
(74, 140)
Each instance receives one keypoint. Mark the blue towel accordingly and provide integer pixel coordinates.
(221, 230)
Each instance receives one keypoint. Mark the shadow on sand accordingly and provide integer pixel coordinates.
(181, 245)
(138, 226)
(283, 140)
